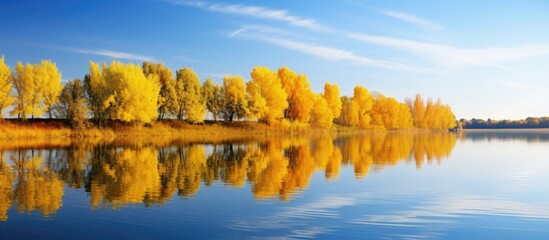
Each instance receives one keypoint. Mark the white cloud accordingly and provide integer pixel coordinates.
(258, 12)
(454, 57)
(115, 54)
(324, 52)
(412, 19)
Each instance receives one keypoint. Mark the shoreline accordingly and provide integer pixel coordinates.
(11, 129)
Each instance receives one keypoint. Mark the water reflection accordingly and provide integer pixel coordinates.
(118, 172)
(528, 135)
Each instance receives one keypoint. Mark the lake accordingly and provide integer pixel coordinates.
(473, 184)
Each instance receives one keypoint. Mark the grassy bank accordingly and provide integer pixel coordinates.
(56, 129)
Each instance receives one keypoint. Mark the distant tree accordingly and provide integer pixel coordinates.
(50, 79)
(268, 98)
(167, 98)
(213, 97)
(300, 96)
(331, 94)
(191, 103)
(235, 102)
(122, 92)
(321, 115)
(27, 93)
(72, 104)
(362, 105)
(6, 98)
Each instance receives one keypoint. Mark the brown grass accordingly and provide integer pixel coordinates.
(57, 129)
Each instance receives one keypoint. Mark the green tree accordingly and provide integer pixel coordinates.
(72, 104)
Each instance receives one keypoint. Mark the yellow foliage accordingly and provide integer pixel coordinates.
(167, 98)
(331, 94)
(124, 93)
(235, 99)
(388, 113)
(363, 103)
(6, 194)
(267, 95)
(212, 94)
(6, 99)
(321, 115)
(50, 84)
(37, 188)
(26, 92)
(191, 103)
(300, 96)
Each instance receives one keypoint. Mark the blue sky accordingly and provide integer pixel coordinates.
(487, 59)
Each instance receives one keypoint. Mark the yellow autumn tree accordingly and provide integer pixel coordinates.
(6, 99)
(27, 92)
(388, 113)
(321, 115)
(268, 98)
(124, 92)
(213, 98)
(167, 98)
(331, 94)
(418, 112)
(50, 79)
(235, 102)
(363, 102)
(300, 96)
(189, 90)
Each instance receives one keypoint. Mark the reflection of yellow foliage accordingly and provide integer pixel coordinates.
(130, 178)
(6, 179)
(190, 174)
(274, 166)
(122, 172)
(300, 170)
(37, 188)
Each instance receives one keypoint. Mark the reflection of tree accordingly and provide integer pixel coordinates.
(191, 168)
(268, 170)
(381, 150)
(300, 170)
(38, 187)
(130, 176)
(6, 179)
(119, 173)
(432, 146)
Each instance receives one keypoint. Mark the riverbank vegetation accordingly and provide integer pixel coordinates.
(530, 122)
(144, 95)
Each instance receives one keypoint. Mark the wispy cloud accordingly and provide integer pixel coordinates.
(114, 54)
(323, 52)
(455, 57)
(258, 12)
(525, 86)
(413, 19)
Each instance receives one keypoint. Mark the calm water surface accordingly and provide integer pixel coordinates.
(478, 185)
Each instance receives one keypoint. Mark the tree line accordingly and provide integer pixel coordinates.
(530, 122)
(142, 94)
